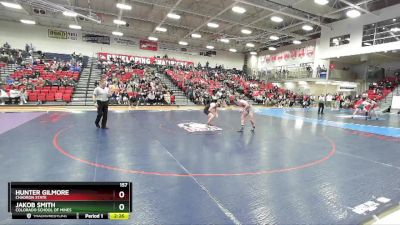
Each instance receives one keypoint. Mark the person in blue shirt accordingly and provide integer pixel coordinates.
(9, 80)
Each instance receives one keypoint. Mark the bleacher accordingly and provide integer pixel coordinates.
(64, 57)
(250, 88)
(381, 90)
(44, 93)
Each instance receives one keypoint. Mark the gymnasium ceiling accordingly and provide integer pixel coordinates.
(146, 15)
(378, 58)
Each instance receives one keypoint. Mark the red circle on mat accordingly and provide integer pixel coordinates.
(117, 169)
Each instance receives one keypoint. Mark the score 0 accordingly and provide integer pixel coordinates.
(123, 192)
(123, 195)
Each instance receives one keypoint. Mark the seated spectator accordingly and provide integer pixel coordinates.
(57, 82)
(14, 95)
(3, 96)
(47, 82)
(167, 97)
(172, 98)
(114, 97)
(124, 98)
(6, 46)
(151, 98)
(9, 80)
(141, 98)
(29, 85)
(133, 99)
(23, 97)
(72, 83)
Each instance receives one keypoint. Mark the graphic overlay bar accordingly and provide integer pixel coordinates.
(69, 200)
(119, 216)
(9, 197)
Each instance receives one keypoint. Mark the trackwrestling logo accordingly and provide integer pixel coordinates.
(198, 127)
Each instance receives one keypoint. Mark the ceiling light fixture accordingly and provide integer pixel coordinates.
(395, 29)
(253, 53)
(30, 22)
(213, 25)
(367, 44)
(70, 13)
(321, 2)
(124, 6)
(11, 5)
(296, 42)
(75, 27)
(246, 31)
(307, 27)
(232, 50)
(195, 35)
(173, 16)
(224, 40)
(250, 45)
(352, 13)
(153, 38)
(273, 37)
(238, 9)
(276, 19)
(183, 43)
(117, 33)
(272, 48)
(161, 29)
(210, 47)
(119, 22)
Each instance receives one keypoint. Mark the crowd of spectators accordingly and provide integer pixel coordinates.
(39, 81)
(9, 55)
(202, 85)
(134, 84)
(383, 87)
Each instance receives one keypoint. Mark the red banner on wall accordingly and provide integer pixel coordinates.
(148, 45)
(144, 60)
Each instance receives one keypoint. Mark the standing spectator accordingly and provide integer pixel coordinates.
(318, 70)
(321, 103)
(329, 99)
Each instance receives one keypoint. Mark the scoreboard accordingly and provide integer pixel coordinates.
(70, 200)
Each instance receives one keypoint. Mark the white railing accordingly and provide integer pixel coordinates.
(387, 101)
(275, 75)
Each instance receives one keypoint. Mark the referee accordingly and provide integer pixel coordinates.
(100, 98)
(321, 102)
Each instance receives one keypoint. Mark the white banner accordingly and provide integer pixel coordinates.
(289, 57)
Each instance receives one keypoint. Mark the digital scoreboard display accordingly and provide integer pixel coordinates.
(70, 200)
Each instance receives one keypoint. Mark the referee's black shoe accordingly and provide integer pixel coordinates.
(97, 125)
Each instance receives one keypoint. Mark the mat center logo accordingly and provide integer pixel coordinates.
(198, 127)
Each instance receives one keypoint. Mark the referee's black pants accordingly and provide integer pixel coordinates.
(321, 108)
(102, 111)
